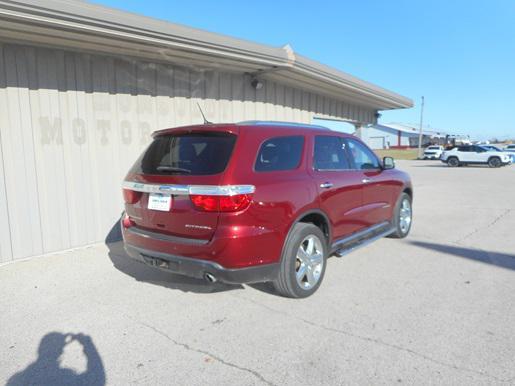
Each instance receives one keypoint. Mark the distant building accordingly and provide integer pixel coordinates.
(396, 135)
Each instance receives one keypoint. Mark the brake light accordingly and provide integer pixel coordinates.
(131, 196)
(127, 222)
(215, 203)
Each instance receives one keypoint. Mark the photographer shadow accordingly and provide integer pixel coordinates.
(144, 273)
(47, 370)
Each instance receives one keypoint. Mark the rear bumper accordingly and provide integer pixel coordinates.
(198, 268)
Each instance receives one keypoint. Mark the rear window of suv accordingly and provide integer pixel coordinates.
(189, 154)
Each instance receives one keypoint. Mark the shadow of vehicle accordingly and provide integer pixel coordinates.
(494, 258)
(144, 273)
(47, 370)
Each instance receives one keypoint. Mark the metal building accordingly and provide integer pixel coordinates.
(83, 86)
(397, 136)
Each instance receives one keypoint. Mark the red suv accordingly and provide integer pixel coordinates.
(259, 201)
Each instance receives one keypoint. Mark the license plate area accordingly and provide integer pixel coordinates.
(159, 201)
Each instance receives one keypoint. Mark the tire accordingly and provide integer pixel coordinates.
(453, 162)
(494, 162)
(403, 208)
(300, 275)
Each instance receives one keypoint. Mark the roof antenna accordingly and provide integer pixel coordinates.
(203, 116)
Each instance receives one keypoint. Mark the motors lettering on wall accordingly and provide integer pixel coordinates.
(55, 131)
(51, 131)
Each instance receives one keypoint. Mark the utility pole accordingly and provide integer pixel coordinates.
(420, 132)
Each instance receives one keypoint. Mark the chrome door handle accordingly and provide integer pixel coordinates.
(326, 185)
(365, 180)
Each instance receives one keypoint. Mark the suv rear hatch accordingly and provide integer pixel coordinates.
(174, 187)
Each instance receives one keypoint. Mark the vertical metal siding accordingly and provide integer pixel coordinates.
(72, 123)
(19, 156)
(368, 133)
(5, 231)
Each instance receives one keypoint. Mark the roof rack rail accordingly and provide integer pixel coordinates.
(282, 123)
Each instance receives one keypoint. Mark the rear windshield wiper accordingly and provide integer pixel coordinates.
(166, 168)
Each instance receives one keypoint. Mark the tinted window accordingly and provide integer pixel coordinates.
(330, 154)
(192, 154)
(464, 148)
(281, 153)
(362, 156)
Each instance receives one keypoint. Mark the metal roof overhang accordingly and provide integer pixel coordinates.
(85, 26)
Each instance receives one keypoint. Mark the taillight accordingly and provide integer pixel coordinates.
(215, 203)
(131, 196)
(127, 222)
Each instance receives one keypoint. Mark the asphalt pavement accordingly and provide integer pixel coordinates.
(435, 308)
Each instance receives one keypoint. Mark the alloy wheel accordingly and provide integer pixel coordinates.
(405, 216)
(309, 262)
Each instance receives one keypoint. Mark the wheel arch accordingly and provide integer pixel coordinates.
(454, 156)
(409, 191)
(494, 157)
(313, 216)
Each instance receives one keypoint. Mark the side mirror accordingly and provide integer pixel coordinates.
(388, 163)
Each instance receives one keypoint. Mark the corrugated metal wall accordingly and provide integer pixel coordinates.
(389, 137)
(72, 123)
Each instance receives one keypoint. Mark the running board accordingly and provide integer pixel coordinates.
(360, 239)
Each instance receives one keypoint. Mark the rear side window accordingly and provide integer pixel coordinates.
(330, 153)
(280, 153)
(189, 154)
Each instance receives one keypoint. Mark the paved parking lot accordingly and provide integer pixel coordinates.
(438, 307)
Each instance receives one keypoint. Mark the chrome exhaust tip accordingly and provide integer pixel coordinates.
(209, 277)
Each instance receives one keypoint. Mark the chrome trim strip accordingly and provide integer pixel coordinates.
(154, 188)
(224, 190)
(213, 190)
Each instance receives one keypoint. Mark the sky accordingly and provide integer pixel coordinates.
(459, 55)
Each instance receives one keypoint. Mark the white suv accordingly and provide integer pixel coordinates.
(474, 154)
(433, 152)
